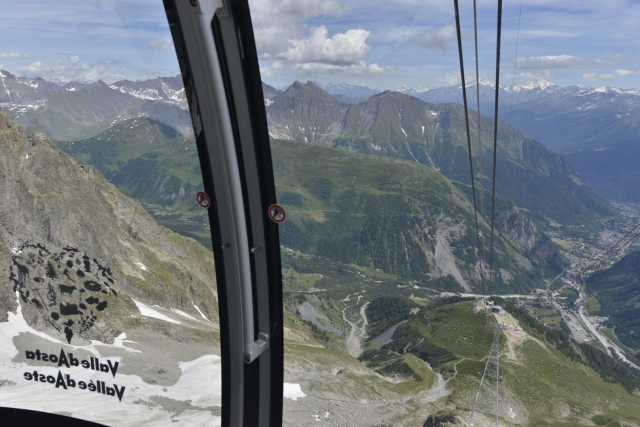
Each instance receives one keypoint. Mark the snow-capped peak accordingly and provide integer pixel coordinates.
(540, 84)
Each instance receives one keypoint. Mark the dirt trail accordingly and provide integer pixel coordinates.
(515, 336)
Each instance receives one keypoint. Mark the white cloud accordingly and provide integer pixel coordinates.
(589, 76)
(269, 13)
(13, 55)
(616, 73)
(354, 69)
(160, 44)
(544, 74)
(277, 23)
(569, 61)
(450, 78)
(282, 35)
(438, 40)
(271, 70)
(34, 67)
(66, 70)
(342, 49)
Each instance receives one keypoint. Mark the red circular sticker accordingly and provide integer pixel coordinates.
(277, 214)
(202, 199)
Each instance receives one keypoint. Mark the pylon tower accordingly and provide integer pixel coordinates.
(488, 397)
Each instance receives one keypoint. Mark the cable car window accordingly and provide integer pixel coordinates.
(269, 212)
(416, 287)
(109, 304)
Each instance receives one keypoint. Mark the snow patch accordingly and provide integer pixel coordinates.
(292, 391)
(201, 313)
(141, 265)
(119, 343)
(15, 325)
(147, 311)
(182, 313)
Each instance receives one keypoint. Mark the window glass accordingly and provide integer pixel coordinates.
(108, 309)
(384, 266)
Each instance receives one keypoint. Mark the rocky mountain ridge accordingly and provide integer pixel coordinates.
(562, 118)
(74, 248)
(77, 111)
(398, 125)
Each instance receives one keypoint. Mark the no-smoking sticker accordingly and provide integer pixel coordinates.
(202, 199)
(277, 214)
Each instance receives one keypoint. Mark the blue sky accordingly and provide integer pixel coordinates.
(379, 44)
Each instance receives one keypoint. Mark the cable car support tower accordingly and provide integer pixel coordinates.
(488, 397)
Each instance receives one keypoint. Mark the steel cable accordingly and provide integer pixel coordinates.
(466, 120)
(495, 144)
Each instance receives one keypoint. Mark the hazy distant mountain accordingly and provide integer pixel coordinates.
(575, 118)
(613, 171)
(562, 118)
(436, 95)
(398, 125)
(347, 93)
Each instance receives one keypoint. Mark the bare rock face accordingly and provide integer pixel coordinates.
(524, 231)
(75, 251)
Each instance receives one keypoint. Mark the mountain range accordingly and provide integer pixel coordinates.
(150, 160)
(78, 111)
(398, 125)
(562, 118)
(378, 205)
(596, 129)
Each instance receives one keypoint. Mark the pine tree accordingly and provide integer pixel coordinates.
(50, 271)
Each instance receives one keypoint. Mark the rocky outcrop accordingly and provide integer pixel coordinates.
(524, 231)
(56, 212)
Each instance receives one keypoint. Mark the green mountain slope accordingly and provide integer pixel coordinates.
(400, 217)
(397, 125)
(546, 379)
(397, 216)
(149, 161)
(617, 289)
